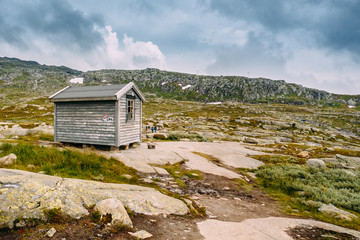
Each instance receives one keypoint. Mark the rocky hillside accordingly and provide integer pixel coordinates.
(213, 88)
(31, 76)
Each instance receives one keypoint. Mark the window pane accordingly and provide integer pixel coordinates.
(130, 109)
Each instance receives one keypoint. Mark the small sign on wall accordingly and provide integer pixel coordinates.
(107, 119)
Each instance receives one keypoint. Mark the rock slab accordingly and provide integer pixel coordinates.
(25, 195)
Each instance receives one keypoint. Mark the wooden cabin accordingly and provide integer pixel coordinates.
(99, 115)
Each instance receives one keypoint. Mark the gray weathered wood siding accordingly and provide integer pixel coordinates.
(129, 131)
(82, 122)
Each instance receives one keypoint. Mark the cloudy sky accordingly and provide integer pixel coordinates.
(312, 43)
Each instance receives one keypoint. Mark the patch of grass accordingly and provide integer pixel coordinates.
(192, 136)
(314, 152)
(174, 137)
(177, 171)
(333, 186)
(296, 207)
(68, 163)
(35, 137)
(55, 216)
(46, 137)
(209, 157)
(277, 159)
(95, 216)
(294, 185)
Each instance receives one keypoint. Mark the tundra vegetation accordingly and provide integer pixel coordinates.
(325, 128)
(280, 131)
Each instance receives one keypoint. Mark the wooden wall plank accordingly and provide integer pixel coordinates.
(82, 122)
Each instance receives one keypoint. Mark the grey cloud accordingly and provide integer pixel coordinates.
(12, 34)
(275, 14)
(53, 20)
(255, 58)
(334, 24)
(341, 29)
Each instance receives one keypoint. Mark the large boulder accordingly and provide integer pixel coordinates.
(160, 136)
(313, 162)
(21, 198)
(8, 160)
(118, 213)
(251, 140)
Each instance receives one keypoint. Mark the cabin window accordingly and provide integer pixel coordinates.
(130, 109)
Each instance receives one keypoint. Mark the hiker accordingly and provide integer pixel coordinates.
(152, 129)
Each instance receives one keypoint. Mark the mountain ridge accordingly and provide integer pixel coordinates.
(32, 76)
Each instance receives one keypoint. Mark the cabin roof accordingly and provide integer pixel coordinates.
(94, 93)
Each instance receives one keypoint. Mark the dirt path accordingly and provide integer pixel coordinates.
(224, 200)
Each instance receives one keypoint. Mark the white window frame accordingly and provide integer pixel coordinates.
(130, 109)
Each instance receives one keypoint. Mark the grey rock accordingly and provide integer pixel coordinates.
(31, 166)
(160, 170)
(51, 232)
(142, 234)
(313, 162)
(127, 176)
(303, 154)
(118, 213)
(350, 173)
(271, 127)
(29, 199)
(336, 212)
(160, 136)
(8, 160)
(351, 102)
(20, 224)
(314, 203)
(151, 146)
(251, 140)
(285, 139)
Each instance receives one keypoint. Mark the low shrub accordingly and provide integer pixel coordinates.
(54, 215)
(333, 186)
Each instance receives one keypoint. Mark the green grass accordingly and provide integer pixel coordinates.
(314, 152)
(277, 159)
(68, 163)
(294, 185)
(296, 207)
(333, 186)
(35, 138)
